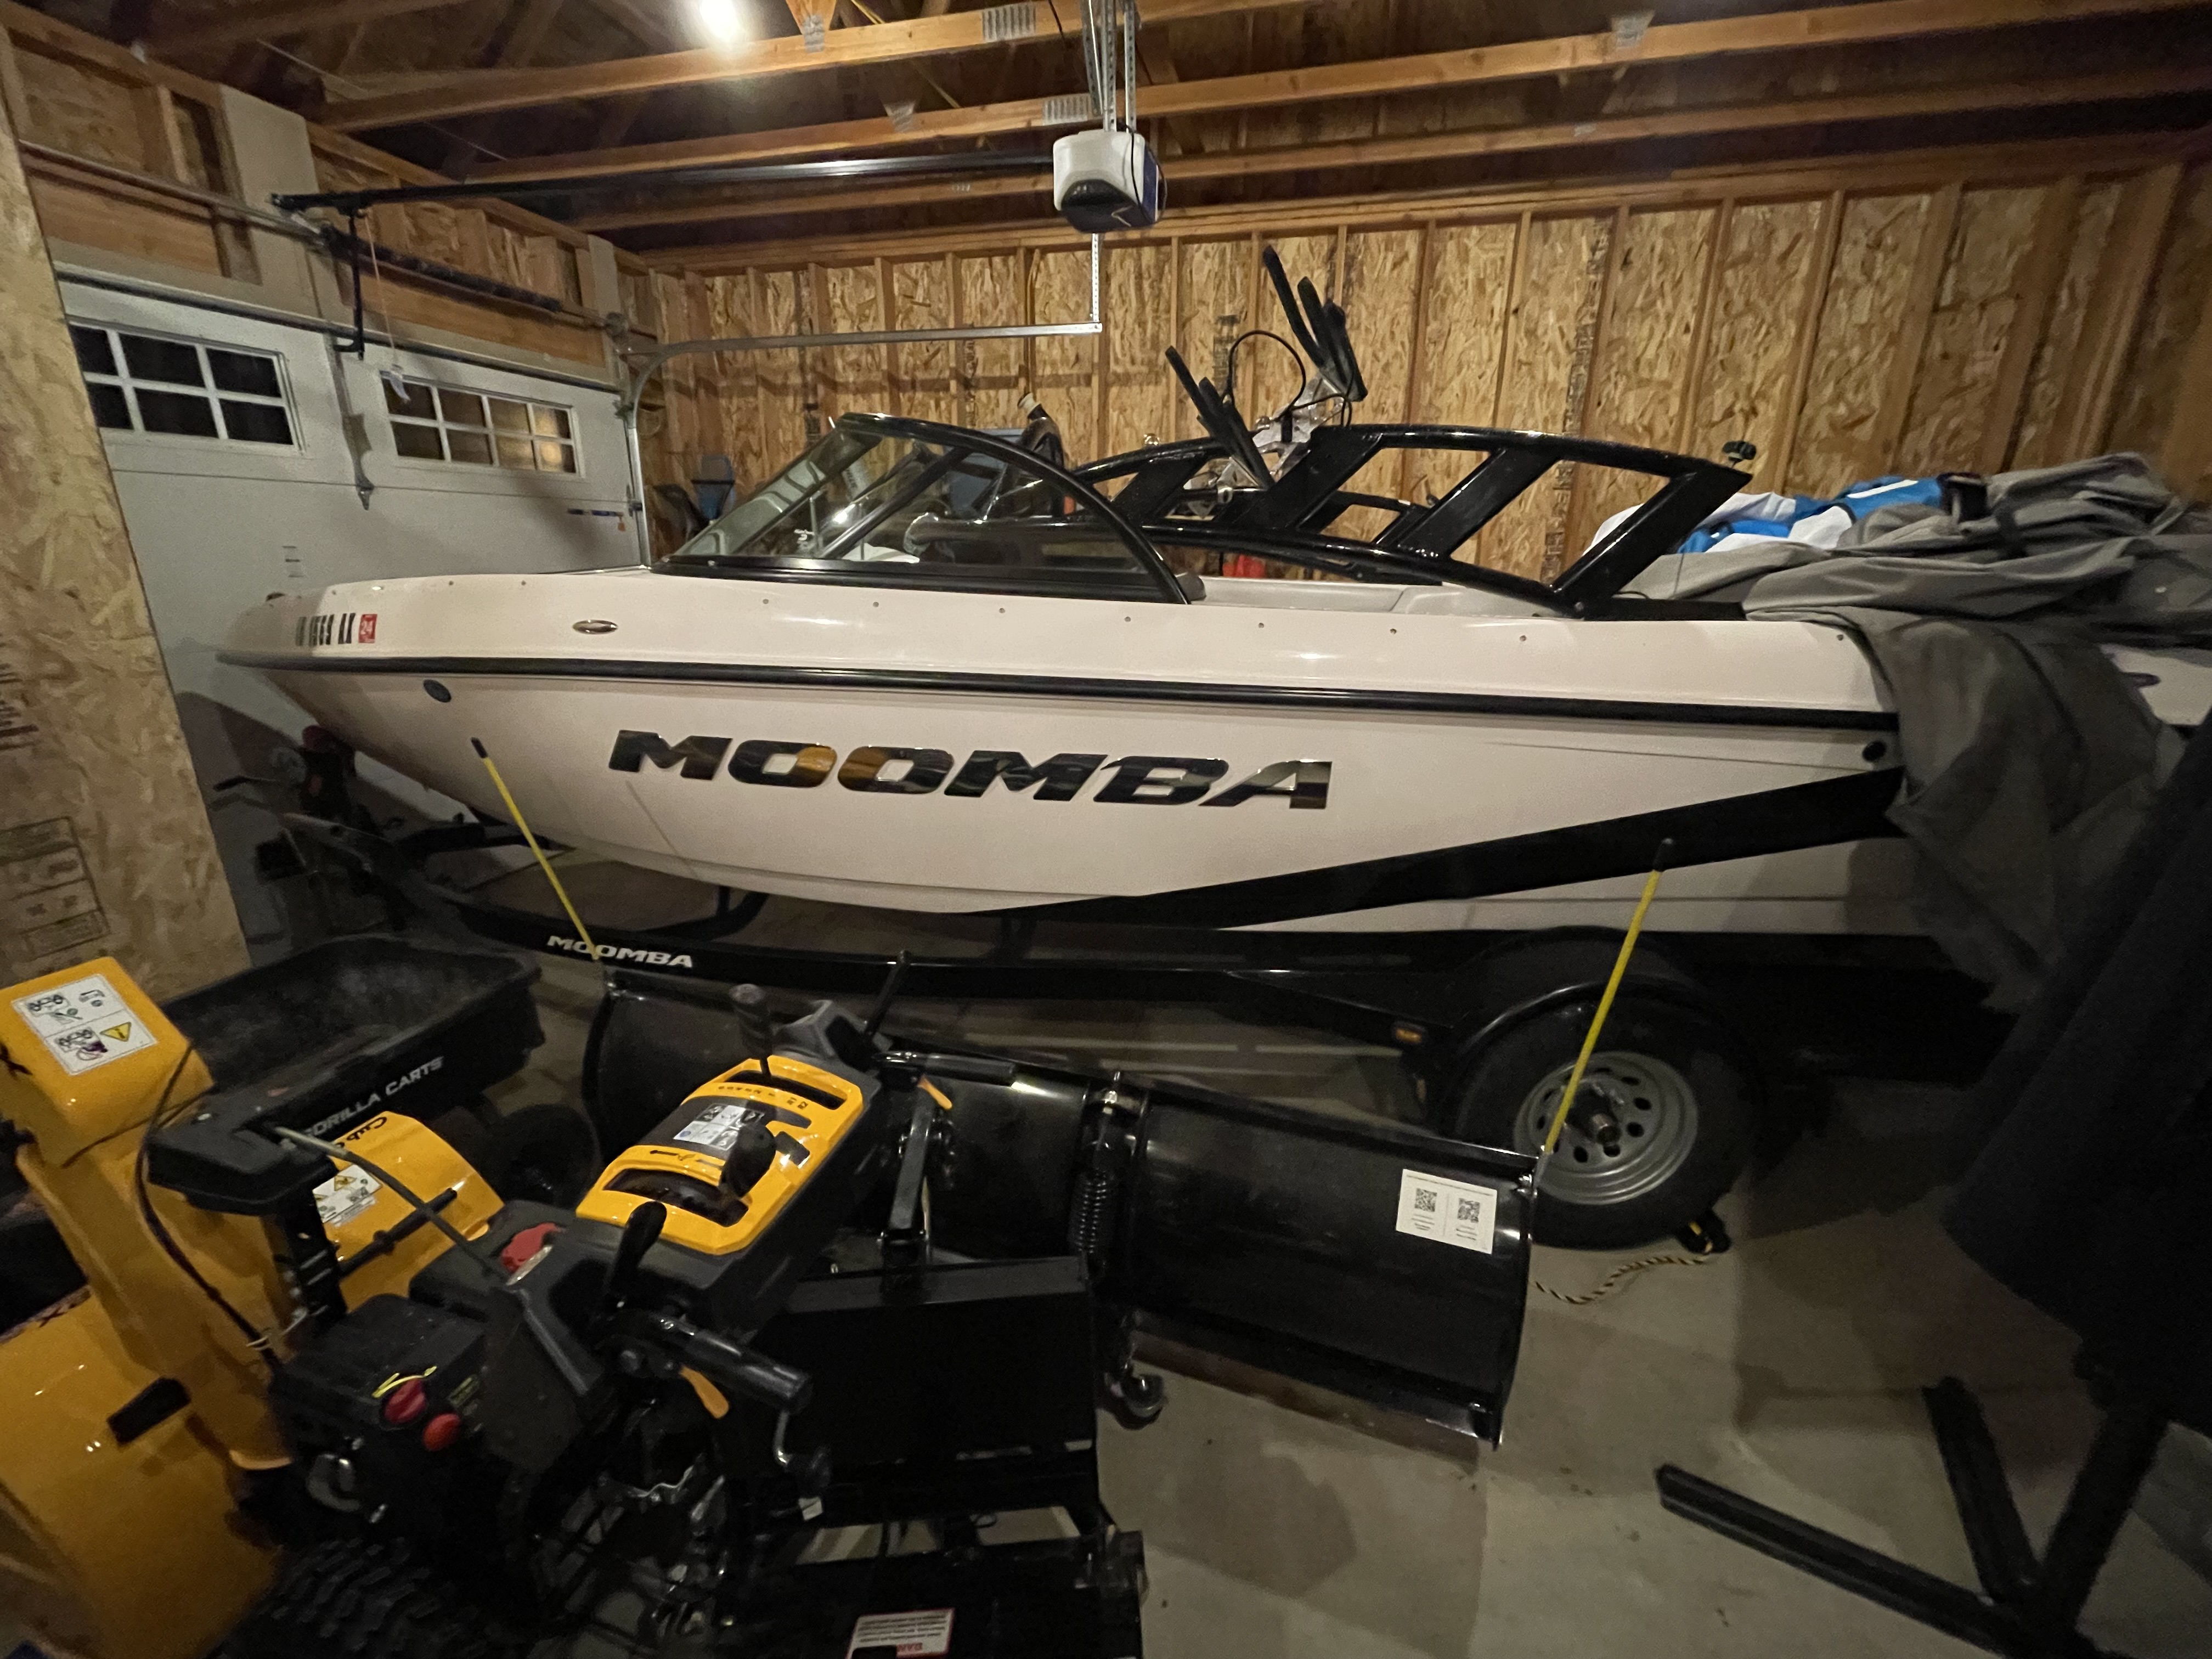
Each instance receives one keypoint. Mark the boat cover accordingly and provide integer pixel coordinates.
(2030, 759)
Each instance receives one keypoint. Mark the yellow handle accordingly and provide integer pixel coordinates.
(1604, 1007)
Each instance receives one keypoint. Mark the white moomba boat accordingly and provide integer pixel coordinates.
(927, 669)
(924, 670)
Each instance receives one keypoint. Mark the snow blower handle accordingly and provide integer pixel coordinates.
(730, 1366)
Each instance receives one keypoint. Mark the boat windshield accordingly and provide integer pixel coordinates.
(866, 502)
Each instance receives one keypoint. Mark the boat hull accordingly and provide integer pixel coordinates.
(1236, 765)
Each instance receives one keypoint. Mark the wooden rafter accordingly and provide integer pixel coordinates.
(2032, 162)
(1492, 141)
(873, 43)
(276, 19)
(1879, 21)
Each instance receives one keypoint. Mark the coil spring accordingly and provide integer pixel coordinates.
(1091, 1199)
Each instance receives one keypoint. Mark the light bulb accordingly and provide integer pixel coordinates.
(719, 18)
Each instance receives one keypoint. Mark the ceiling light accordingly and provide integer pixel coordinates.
(719, 18)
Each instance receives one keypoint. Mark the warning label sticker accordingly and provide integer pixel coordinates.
(717, 1128)
(84, 1024)
(346, 1196)
(1450, 1212)
(923, 1635)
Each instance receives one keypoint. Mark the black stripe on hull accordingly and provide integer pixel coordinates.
(1326, 698)
(1823, 814)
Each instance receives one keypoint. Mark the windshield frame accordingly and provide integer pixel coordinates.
(1154, 580)
(1689, 487)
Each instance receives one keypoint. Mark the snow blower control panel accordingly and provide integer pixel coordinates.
(758, 1169)
(735, 1154)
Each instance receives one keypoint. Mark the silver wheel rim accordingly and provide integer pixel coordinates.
(1656, 1108)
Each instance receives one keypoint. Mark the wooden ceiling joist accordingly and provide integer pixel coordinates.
(1495, 141)
(1882, 21)
(2025, 162)
(275, 21)
(472, 91)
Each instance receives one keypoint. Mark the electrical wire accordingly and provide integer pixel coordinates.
(1229, 372)
(429, 1213)
(255, 1338)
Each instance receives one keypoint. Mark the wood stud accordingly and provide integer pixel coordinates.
(1776, 468)
(2116, 299)
(2038, 282)
(1919, 309)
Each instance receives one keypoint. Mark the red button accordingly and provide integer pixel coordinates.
(406, 1403)
(441, 1431)
(525, 1244)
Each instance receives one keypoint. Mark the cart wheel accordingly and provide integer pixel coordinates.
(1682, 1121)
(367, 1601)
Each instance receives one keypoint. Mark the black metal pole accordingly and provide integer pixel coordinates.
(351, 202)
(360, 346)
(2126, 1445)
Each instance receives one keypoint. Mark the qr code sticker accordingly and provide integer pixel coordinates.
(1462, 1213)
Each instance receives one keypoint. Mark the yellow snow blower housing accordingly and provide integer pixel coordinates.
(138, 1406)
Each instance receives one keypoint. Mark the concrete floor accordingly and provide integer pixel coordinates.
(1789, 1368)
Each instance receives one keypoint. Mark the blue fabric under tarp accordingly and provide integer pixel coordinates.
(1818, 520)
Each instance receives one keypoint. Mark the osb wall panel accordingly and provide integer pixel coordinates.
(729, 315)
(1857, 337)
(1064, 375)
(140, 225)
(2062, 328)
(1140, 401)
(990, 292)
(1559, 273)
(784, 379)
(2152, 384)
(105, 847)
(75, 107)
(1267, 377)
(1640, 388)
(1760, 297)
(470, 240)
(1975, 306)
(921, 373)
(1463, 322)
(1381, 285)
(1217, 297)
(396, 297)
(854, 378)
(1718, 312)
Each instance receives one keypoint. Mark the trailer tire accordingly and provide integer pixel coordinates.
(1683, 1103)
(364, 1600)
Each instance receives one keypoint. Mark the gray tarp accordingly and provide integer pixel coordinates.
(2029, 759)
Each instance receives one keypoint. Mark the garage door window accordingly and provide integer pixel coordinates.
(474, 428)
(182, 388)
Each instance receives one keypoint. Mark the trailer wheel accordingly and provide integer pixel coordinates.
(1684, 1121)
